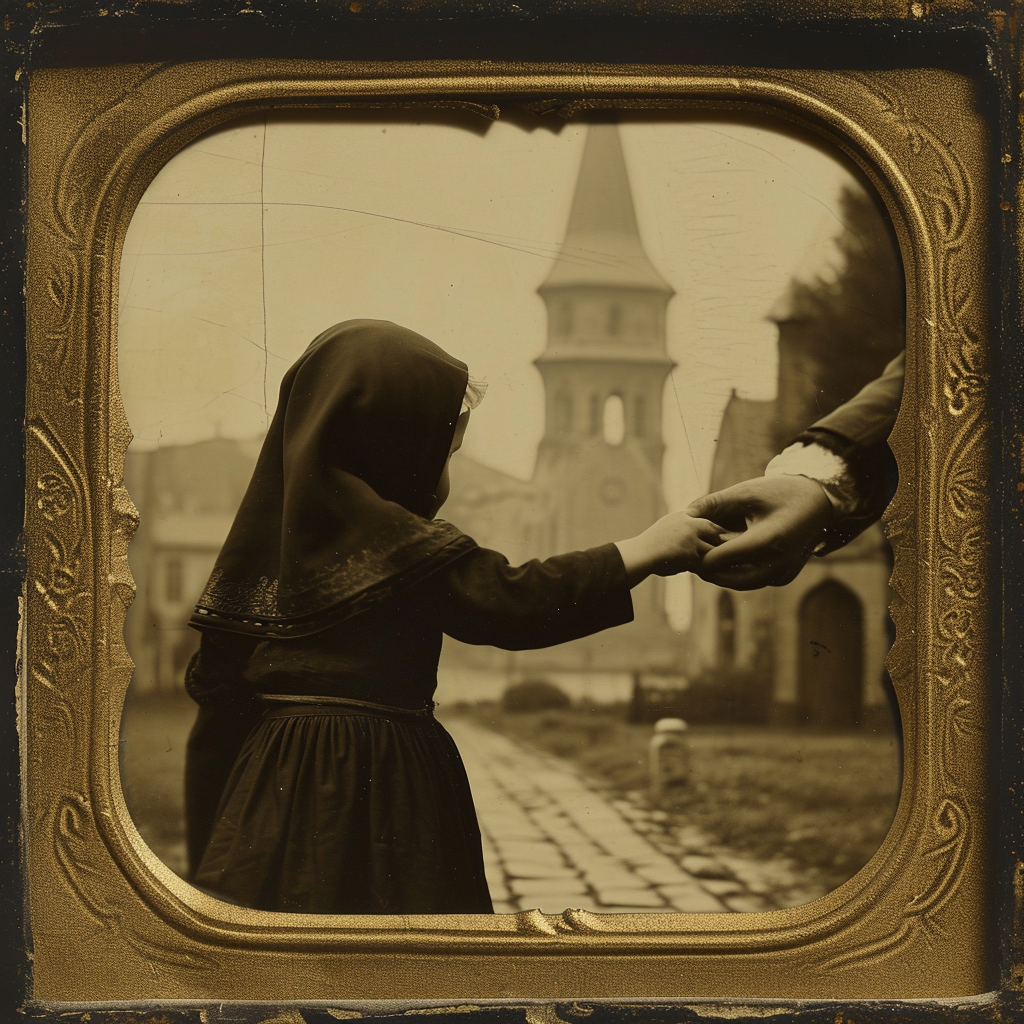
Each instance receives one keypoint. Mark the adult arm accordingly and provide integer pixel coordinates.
(857, 434)
(818, 495)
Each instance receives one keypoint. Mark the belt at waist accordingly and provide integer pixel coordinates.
(290, 704)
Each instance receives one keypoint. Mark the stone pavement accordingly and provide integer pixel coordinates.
(552, 841)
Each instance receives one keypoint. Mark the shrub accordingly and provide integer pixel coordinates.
(729, 695)
(716, 697)
(534, 695)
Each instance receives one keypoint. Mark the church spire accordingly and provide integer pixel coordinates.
(604, 368)
(602, 241)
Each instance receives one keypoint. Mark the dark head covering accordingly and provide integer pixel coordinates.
(334, 519)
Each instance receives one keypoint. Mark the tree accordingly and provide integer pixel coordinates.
(840, 331)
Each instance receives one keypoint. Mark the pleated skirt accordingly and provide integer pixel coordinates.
(335, 811)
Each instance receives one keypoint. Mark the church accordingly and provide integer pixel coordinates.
(598, 469)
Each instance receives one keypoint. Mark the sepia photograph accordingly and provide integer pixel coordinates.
(499, 535)
(605, 404)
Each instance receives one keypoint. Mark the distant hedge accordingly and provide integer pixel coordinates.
(534, 695)
(716, 697)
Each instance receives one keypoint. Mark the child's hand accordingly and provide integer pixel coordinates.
(675, 543)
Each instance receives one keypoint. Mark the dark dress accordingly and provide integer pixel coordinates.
(344, 808)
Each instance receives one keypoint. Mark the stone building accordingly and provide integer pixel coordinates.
(598, 470)
(818, 644)
(187, 496)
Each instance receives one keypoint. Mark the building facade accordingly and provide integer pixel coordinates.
(818, 644)
(187, 496)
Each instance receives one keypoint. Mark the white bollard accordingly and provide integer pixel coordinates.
(669, 757)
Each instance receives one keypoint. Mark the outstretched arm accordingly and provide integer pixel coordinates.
(481, 599)
(815, 497)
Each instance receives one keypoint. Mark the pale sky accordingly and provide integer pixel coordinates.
(256, 238)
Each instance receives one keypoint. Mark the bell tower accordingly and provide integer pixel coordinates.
(604, 370)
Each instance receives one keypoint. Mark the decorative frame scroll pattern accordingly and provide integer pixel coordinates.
(111, 922)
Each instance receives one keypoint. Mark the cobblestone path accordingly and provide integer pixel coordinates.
(552, 842)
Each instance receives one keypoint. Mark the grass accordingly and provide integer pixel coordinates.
(824, 801)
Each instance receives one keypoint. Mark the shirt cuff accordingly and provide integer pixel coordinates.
(618, 607)
(828, 469)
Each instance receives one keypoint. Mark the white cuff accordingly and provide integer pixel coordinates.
(830, 470)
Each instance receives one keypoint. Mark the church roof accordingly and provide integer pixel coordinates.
(474, 482)
(602, 241)
(746, 441)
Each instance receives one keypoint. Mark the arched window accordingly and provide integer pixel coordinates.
(726, 630)
(639, 417)
(614, 319)
(614, 420)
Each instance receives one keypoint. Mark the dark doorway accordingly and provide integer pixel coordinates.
(831, 657)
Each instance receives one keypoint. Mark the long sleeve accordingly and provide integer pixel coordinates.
(481, 599)
(227, 713)
(858, 432)
(867, 419)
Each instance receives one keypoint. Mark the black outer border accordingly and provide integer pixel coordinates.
(981, 41)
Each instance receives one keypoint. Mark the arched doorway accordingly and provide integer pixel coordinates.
(831, 657)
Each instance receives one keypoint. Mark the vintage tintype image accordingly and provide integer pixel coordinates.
(652, 308)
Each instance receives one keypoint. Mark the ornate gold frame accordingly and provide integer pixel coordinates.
(110, 922)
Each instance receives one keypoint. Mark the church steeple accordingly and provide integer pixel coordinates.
(602, 241)
(604, 370)
(605, 299)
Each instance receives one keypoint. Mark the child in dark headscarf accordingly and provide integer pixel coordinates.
(318, 779)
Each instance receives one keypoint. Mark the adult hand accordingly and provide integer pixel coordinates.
(774, 524)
